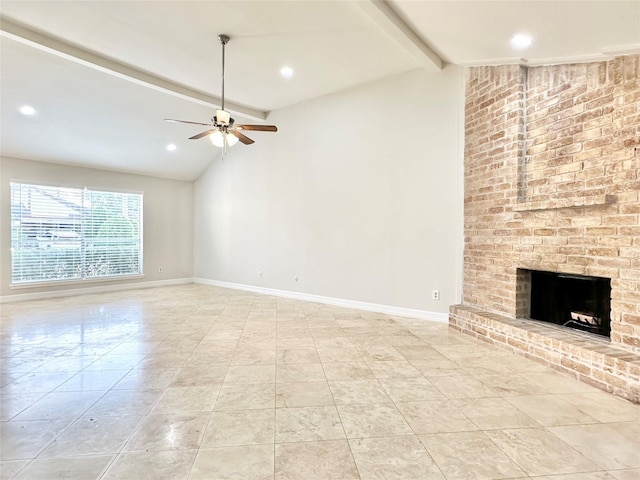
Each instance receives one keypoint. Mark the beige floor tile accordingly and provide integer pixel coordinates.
(167, 465)
(507, 385)
(60, 405)
(93, 436)
(12, 404)
(79, 468)
(68, 363)
(294, 343)
(437, 416)
(486, 366)
(630, 474)
(134, 348)
(405, 340)
(338, 354)
(253, 462)
(462, 351)
(493, 413)
(187, 399)
(115, 362)
(283, 331)
(347, 371)
(389, 458)
(462, 386)
(579, 476)
(520, 364)
(469, 455)
(146, 379)
(125, 402)
(25, 440)
(243, 397)
(392, 329)
(241, 427)
(554, 382)
(438, 368)
(300, 372)
(203, 357)
(159, 432)
(603, 407)
(297, 355)
(355, 331)
(161, 359)
(372, 339)
(36, 383)
(373, 420)
(411, 389)
(306, 424)
(254, 356)
(200, 376)
(328, 460)
(539, 452)
(90, 380)
(169, 349)
(9, 468)
(326, 332)
(212, 346)
(418, 352)
(393, 369)
(550, 410)
(7, 376)
(358, 392)
(379, 354)
(246, 374)
(611, 446)
(303, 394)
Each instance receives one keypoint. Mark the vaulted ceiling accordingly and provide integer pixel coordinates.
(103, 74)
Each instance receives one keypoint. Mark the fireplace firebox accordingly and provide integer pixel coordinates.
(574, 301)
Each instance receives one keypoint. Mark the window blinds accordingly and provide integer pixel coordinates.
(61, 233)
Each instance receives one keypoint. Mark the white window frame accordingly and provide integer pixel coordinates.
(82, 237)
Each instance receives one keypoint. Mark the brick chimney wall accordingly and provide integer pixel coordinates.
(552, 182)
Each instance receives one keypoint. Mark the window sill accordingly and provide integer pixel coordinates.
(84, 281)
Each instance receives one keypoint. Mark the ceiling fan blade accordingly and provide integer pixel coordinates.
(258, 128)
(243, 138)
(186, 121)
(203, 134)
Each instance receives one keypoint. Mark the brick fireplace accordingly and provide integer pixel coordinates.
(552, 182)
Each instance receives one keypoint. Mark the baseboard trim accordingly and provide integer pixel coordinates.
(339, 302)
(23, 297)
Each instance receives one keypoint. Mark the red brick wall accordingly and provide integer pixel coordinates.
(552, 181)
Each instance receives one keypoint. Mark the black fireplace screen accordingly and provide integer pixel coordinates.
(574, 301)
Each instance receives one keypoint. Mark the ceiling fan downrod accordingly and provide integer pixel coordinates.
(224, 39)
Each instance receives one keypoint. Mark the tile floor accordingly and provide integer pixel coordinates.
(196, 382)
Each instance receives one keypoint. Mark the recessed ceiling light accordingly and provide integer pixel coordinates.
(521, 40)
(171, 147)
(27, 110)
(286, 72)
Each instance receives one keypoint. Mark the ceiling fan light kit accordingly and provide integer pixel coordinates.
(224, 132)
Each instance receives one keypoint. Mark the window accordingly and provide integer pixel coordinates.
(60, 233)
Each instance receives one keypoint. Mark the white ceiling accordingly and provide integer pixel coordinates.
(103, 74)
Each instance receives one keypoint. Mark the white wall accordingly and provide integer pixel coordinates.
(357, 195)
(167, 217)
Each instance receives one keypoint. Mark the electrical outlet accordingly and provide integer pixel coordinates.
(160, 269)
(435, 294)
(259, 273)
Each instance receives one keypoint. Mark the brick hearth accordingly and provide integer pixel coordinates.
(552, 182)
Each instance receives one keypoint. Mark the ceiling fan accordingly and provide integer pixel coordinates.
(225, 133)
